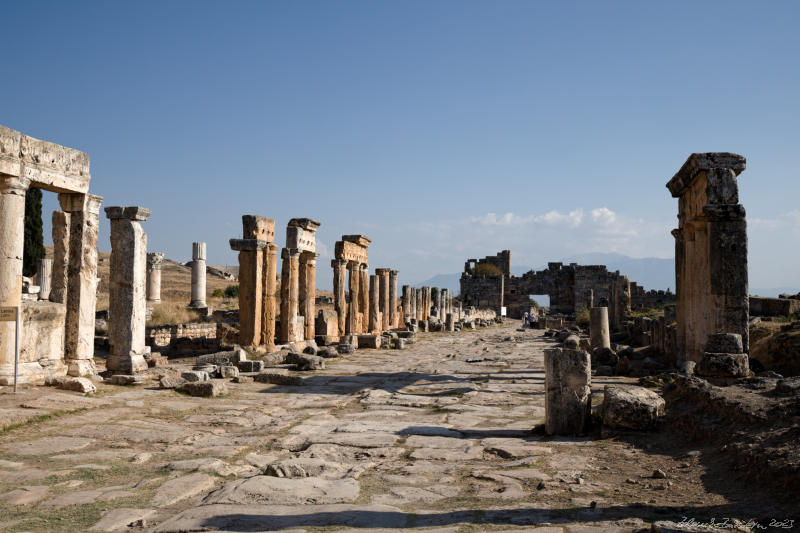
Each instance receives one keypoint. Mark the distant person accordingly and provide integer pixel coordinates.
(532, 320)
(525, 319)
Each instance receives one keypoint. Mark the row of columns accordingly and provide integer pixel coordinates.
(416, 303)
(371, 305)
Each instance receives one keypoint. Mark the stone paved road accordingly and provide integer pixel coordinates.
(433, 438)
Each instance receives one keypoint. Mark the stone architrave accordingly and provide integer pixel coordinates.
(44, 278)
(393, 299)
(154, 262)
(599, 335)
(60, 232)
(340, 293)
(353, 315)
(84, 210)
(568, 392)
(198, 300)
(374, 304)
(290, 287)
(127, 307)
(710, 252)
(301, 236)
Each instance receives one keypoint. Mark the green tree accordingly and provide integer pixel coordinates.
(34, 241)
(488, 270)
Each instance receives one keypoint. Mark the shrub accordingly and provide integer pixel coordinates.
(232, 291)
(582, 317)
(34, 241)
(217, 293)
(488, 270)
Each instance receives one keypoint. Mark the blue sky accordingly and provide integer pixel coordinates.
(442, 130)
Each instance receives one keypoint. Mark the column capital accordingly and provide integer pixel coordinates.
(290, 253)
(136, 213)
(338, 263)
(364, 266)
(14, 184)
(154, 260)
(382, 271)
(354, 265)
(394, 273)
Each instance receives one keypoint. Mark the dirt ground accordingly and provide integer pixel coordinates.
(437, 437)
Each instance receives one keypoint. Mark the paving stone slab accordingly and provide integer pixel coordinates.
(269, 490)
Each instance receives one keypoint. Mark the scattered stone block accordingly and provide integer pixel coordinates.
(250, 366)
(369, 341)
(399, 344)
(325, 340)
(305, 362)
(205, 388)
(195, 375)
(788, 387)
(155, 359)
(328, 353)
(278, 377)
(83, 385)
(243, 379)
(231, 357)
(228, 371)
(568, 393)
(125, 379)
(724, 343)
(631, 407)
(171, 382)
(732, 365)
(310, 350)
(346, 348)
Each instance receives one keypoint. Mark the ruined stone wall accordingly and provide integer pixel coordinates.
(501, 261)
(773, 306)
(482, 291)
(198, 337)
(652, 299)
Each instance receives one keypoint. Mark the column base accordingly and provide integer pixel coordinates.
(126, 364)
(81, 367)
(196, 304)
(32, 373)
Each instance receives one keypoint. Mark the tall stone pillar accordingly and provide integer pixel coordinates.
(420, 302)
(353, 320)
(383, 278)
(450, 324)
(568, 391)
(198, 276)
(374, 304)
(269, 279)
(440, 304)
(405, 300)
(363, 284)
(84, 210)
(339, 292)
(61, 223)
(710, 252)
(427, 303)
(290, 294)
(393, 299)
(154, 262)
(251, 289)
(44, 278)
(12, 243)
(308, 291)
(126, 315)
(599, 334)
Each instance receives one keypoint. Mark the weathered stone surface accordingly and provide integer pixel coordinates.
(568, 393)
(723, 365)
(631, 407)
(269, 490)
(171, 382)
(369, 341)
(120, 519)
(250, 366)
(181, 488)
(243, 379)
(227, 371)
(278, 378)
(48, 445)
(233, 357)
(205, 388)
(346, 348)
(328, 352)
(195, 375)
(724, 343)
(125, 379)
(305, 362)
(83, 385)
(25, 495)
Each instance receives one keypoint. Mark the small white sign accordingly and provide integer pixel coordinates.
(8, 314)
(503, 311)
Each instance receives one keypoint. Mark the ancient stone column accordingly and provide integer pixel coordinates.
(374, 304)
(588, 298)
(450, 324)
(84, 210)
(568, 392)
(308, 291)
(339, 293)
(427, 303)
(154, 262)
(353, 320)
(44, 278)
(383, 278)
(599, 334)
(61, 223)
(127, 308)
(251, 289)
(393, 298)
(12, 231)
(440, 304)
(420, 303)
(363, 284)
(710, 252)
(269, 279)
(198, 276)
(290, 289)
(404, 300)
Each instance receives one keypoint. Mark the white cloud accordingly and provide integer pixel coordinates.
(572, 219)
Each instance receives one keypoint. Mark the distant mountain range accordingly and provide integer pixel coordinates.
(650, 272)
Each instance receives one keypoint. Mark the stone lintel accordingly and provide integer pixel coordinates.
(699, 162)
(130, 213)
(350, 251)
(79, 202)
(382, 271)
(300, 238)
(258, 227)
(361, 240)
(307, 224)
(47, 165)
(248, 245)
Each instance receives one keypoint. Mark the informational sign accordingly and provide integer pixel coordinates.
(503, 311)
(8, 314)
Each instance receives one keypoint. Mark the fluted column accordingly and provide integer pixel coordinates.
(12, 243)
(308, 284)
(406, 303)
(84, 210)
(198, 276)
(126, 320)
(363, 284)
(393, 299)
(60, 232)
(353, 270)
(374, 297)
(44, 278)
(268, 279)
(290, 271)
(154, 261)
(339, 292)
